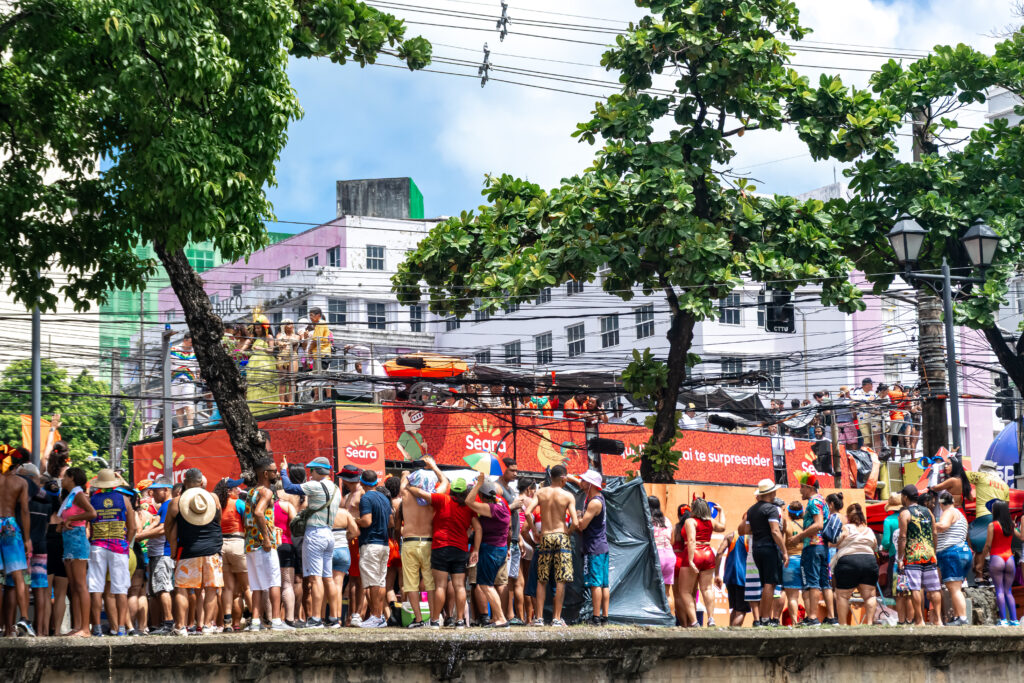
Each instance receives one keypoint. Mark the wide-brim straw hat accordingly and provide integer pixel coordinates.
(197, 506)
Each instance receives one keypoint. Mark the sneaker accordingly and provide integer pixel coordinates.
(382, 623)
(194, 631)
(537, 623)
(595, 621)
(210, 629)
(711, 622)
(808, 623)
(25, 629)
(314, 623)
(773, 623)
(604, 621)
(558, 622)
(371, 622)
(514, 621)
(758, 623)
(1002, 622)
(179, 632)
(416, 624)
(460, 624)
(121, 632)
(254, 627)
(97, 632)
(1014, 622)
(831, 622)
(278, 625)
(356, 620)
(449, 622)
(434, 624)
(297, 624)
(162, 630)
(135, 633)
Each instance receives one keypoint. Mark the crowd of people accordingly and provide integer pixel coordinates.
(304, 547)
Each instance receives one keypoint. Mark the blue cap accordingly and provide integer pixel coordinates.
(319, 463)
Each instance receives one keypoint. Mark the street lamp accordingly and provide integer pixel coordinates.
(980, 242)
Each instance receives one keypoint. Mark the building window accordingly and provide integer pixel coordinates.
(573, 287)
(452, 323)
(729, 310)
(236, 290)
(481, 314)
(483, 356)
(610, 331)
(334, 257)
(891, 368)
(376, 316)
(201, 259)
(171, 313)
(276, 318)
(732, 366)
(577, 345)
(301, 309)
(761, 309)
(644, 321)
(284, 272)
(337, 311)
(542, 342)
(772, 368)
(257, 281)
(374, 258)
(544, 296)
(1020, 296)
(511, 306)
(416, 318)
(312, 261)
(513, 354)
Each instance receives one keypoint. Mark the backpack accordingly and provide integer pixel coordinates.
(832, 529)
(298, 524)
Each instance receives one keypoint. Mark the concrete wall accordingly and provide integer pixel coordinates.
(580, 654)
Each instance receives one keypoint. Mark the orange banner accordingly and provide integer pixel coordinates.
(44, 433)
(802, 460)
(298, 437)
(451, 436)
(718, 457)
(360, 438)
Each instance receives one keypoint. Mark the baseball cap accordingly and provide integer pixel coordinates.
(350, 473)
(459, 485)
(319, 463)
(161, 482)
(369, 477)
(910, 491)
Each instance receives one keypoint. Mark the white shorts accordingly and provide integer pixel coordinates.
(264, 569)
(103, 562)
(373, 564)
(318, 552)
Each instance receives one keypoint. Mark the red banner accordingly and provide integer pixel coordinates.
(298, 437)
(716, 457)
(450, 436)
(802, 460)
(360, 437)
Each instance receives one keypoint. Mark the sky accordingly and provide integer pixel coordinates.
(447, 132)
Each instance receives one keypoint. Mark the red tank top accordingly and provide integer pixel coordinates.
(704, 529)
(1001, 542)
(281, 522)
(230, 520)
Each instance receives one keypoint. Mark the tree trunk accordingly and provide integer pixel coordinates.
(217, 369)
(1009, 357)
(680, 339)
(932, 368)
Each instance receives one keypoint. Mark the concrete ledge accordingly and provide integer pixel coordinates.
(580, 653)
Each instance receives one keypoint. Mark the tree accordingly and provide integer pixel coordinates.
(654, 208)
(956, 180)
(189, 103)
(82, 402)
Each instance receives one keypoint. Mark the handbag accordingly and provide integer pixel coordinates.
(298, 524)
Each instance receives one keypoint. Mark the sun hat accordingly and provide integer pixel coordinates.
(368, 477)
(592, 477)
(766, 486)
(350, 473)
(894, 503)
(988, 466)
(107, 479)
(197, 506)
(319, 463)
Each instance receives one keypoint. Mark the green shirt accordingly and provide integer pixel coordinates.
(891, 524)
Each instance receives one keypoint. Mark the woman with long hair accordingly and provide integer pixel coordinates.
(75, 511)
(699, 566)
(287, 359)
(956, 481)
(261, 371)
(284, 513)
(235, 595)
(679, 548)
(1001, 568)
(856, 566)
(953, 555)
(663, 541)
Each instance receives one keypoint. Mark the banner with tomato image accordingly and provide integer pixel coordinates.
(718, 457)
(450, 436)
(300, 438)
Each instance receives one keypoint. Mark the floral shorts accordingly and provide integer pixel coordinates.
(199, 572)
(554, 553)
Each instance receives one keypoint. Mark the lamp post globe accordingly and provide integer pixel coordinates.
(906, 238)
(981, 243)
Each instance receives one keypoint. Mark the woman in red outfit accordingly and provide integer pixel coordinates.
(698, 568)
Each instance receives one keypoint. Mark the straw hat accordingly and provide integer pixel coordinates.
(197, 506)
(894, 503)
(765, 486)
(107, 479)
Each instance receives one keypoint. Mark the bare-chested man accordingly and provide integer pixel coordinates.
(554, 553)
(15, 547)
(417, 536)
(357, 598)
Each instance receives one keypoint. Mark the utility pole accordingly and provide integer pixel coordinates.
(932, 365)
(37, 388)
(116, 414)
(165, 354)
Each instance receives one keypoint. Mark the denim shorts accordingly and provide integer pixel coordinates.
(341, 560)
(76, 544)
(791, 574)
(953, 562)
(814, 571)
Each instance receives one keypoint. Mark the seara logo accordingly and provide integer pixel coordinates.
(485, 438)
(361, 449)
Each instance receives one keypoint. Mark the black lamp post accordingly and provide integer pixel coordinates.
(980, 242)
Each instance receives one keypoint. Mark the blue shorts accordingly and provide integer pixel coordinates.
(492, 559)
(36, 573)
(791, 574)
(76, 544)
(814, 572)
(12, 546)
(953, 562)
(595, 571)
(341, 560)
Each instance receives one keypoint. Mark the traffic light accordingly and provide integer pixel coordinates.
(780, 315)
(1005, 404)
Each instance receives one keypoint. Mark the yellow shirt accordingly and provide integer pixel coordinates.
(986, 487)
(322, 340)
